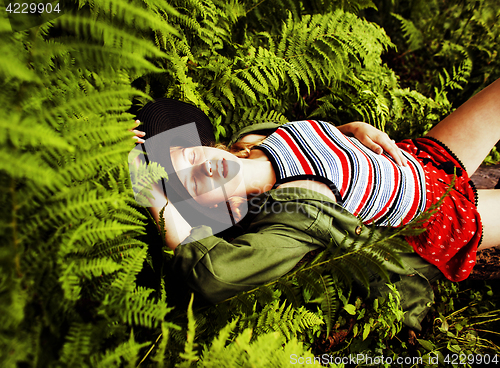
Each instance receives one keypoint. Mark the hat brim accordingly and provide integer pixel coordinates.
(165, 114)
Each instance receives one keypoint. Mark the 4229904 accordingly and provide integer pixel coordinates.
(32, 8)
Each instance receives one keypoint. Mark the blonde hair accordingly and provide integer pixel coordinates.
(240, 149)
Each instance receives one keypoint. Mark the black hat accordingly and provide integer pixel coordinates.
(170, 123)
(164, 114)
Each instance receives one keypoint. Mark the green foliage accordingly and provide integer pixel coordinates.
(243, 68)
(71, 252)
(440, 36)
(384, 319)
(268, 350)
(447, 50)
(286, 320)
(458, 318)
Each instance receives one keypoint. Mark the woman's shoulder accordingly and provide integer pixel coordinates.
(255, 132)
(250, 138)
(262, 129)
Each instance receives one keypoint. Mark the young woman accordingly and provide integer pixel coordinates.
(299, 180)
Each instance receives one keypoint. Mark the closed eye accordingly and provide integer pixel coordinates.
(193, 155)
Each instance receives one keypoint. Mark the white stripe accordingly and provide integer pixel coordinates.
(327, 164)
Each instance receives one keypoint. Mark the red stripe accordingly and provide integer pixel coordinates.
(369, 186)
(416, 198)
(384, 210)
(297, 151)
(346, 172)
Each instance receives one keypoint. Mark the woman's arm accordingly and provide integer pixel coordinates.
(374, 139)
(176, 227)
(368, 135)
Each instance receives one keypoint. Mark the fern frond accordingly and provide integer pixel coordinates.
(78, 344)
(92, 231)
(329, 301)
(29, 166)
(126, 352)
(290, 290)
(131, 266)
(139, 309)
(114, 248)
(287, 320)
(189, 355)
(412, 34)
(134, 16)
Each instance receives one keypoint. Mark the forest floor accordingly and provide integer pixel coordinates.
(488, 261)
(486, 177)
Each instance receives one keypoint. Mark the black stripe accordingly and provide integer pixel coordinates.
(376, 181)
(394, 204)
(295, 133)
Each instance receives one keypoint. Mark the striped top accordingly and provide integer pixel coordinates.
(370, 186)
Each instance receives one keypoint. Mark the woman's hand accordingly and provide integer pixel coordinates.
(374, 139)
(138, 134)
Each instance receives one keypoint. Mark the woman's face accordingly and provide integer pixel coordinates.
(210, 175)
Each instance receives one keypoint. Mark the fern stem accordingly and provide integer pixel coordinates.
(253, 7)
(346, 254)
(464, 28)
(458, 311)
(150, 349)
(488, 331)
(15, 239)
(483, 322)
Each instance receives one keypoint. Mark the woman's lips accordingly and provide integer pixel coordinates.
(224, 168)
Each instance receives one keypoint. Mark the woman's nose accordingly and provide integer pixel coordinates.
(208, 168)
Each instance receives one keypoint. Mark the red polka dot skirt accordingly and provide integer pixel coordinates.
(454, 232)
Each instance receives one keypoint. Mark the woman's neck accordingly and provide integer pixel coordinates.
(258, 173)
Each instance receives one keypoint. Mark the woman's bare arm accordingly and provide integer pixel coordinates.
(374, 139)
(176, 227)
